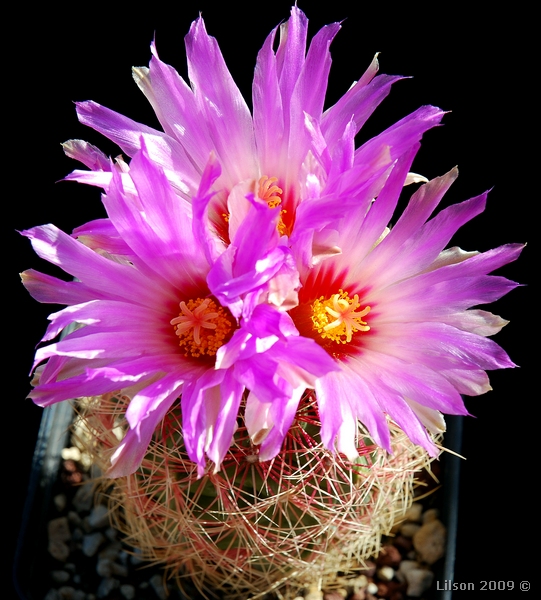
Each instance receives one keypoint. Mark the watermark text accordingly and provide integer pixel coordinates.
(483, 585)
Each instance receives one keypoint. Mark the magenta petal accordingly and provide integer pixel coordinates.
(230, 396)
(176, 108)
(227, 115)
(360, 101)
(152, 404)
(163, 150)
(50, 290)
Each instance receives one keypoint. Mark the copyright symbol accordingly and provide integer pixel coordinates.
(524, 586)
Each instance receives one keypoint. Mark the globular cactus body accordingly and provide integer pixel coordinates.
(254, 527)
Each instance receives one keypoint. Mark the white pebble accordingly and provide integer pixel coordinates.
(386, 573)
(72, 453)
(372, 588)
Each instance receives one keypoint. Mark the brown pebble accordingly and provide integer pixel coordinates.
(58, 529)
(58, 550)
(404, 544)
(369, 569)
(389, 557)
(70, 473)
(429, 541)
(430, 515)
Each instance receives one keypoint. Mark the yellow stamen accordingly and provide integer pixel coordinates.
(202, 327)
(282, 228)
(337, 319)
(269, 192)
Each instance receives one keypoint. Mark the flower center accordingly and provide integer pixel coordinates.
(337, 318)
(202, 327)
(269, 192)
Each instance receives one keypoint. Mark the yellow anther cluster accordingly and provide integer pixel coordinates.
(282, 227)
(336, 318)
(269, 192)
(202, 327)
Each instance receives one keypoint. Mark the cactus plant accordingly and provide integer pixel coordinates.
(268, 360)
(254, 527)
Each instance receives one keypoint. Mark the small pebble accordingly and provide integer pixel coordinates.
(92, 542)
(58, 529)
(60, 502)
(372, 588)
(66, 592)
(430, 514)
(74, 518)
(389, 556)
(59, 550)
(414, 512)
(429, 541)
(385, 573)
(106, 586)
(403, 543)
(60, 576)
(104, 568)
(84, 498)
(99, 516)
(128, 591)
(419, 581)
(408, 530)
(405, 566)
(72, 453)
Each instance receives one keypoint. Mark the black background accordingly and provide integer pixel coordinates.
(477, 65)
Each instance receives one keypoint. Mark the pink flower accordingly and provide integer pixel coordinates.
(148, 324)
(290, 154)
(394, 310)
